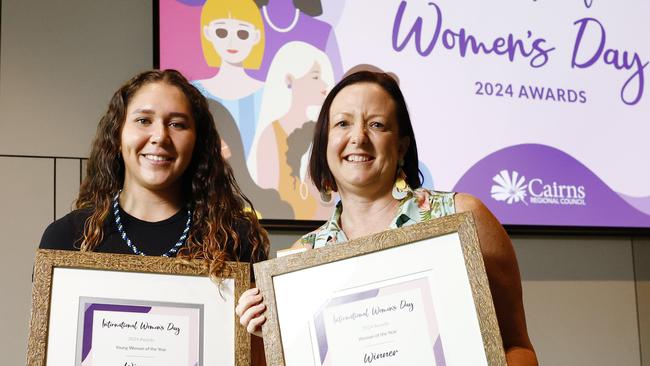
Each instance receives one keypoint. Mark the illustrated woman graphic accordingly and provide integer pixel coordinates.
(298, 81)
(296, 20)
(232, 38)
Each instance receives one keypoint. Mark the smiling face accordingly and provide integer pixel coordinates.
(233, 39)
(157, 138)
(364, 145)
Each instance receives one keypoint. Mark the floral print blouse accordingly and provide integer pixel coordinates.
(418, 206)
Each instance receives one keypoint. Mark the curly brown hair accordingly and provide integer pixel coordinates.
(208, 183)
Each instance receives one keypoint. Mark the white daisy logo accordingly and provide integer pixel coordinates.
(509, 188)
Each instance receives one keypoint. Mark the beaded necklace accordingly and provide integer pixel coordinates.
(136, 251)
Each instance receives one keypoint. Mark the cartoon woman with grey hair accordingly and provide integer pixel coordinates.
(298, 81)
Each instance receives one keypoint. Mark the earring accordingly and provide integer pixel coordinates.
(400, 188)
(304, 190)
(326, 196)
(326, 193)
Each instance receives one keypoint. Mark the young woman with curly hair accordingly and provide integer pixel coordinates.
(156, 183)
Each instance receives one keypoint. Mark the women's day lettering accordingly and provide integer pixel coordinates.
(621, 60)
(509, 46)
(534, 49)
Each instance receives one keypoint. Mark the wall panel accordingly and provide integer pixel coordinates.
(67, 185)
(26, 192)
(579, 296)
(642, 275)
(61, 62)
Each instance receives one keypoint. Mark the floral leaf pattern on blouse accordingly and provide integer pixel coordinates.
(418, 206)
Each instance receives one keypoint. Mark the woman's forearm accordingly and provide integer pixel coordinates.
(520, 356)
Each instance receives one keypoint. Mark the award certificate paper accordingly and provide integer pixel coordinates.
(392, 322)
(138, 333)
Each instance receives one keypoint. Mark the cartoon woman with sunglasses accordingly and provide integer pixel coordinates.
(232, 38)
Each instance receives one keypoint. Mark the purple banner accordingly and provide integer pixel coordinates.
(533, 183)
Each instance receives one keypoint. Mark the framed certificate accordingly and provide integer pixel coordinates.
(417, 295)
(112, 309)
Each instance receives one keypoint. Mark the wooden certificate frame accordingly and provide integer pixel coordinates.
(182, 305)
(353, 302)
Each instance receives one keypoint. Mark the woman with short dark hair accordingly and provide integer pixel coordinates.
(364, 148)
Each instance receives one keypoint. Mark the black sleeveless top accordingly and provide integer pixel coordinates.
(152, 238)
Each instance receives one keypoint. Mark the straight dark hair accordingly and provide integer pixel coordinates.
(320, 171)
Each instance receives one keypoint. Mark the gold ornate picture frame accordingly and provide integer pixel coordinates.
(117, 307)
(416, 294)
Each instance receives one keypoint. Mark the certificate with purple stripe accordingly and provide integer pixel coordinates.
(138, 333)
(392, 322)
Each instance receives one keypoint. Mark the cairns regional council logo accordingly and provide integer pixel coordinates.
(512, 187)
